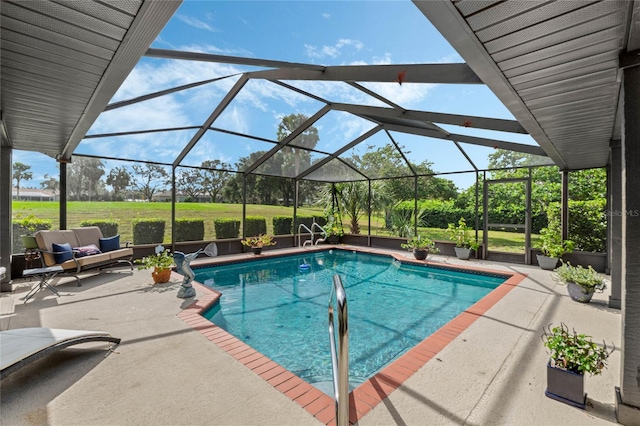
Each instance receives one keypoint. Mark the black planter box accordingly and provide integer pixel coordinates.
(565, 386)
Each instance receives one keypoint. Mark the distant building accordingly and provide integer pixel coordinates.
(165, 196)
(33, 194)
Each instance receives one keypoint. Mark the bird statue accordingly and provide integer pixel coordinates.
(183, 267)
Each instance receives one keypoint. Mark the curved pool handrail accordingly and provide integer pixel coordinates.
(340, 360)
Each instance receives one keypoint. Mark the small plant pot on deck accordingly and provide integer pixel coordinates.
(161, 275)
(565, 386)
(577, 293)
(256, 250)
(462, 253)
(546, 262)
(420, 254)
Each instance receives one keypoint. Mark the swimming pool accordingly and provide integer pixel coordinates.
(280, 309)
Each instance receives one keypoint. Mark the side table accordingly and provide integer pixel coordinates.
(45, 274)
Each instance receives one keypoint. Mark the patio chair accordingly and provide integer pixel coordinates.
(22, 346)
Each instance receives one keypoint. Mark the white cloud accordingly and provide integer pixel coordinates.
(196, 23)
(332, 51)
(326, 15)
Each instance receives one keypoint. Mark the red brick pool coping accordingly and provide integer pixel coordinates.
(370, 393)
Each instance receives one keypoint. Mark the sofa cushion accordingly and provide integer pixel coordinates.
(88, 235)
(110, 244)
(120, 253)
(86, 250)
(61, 252)
(45, 239)
(96, 259)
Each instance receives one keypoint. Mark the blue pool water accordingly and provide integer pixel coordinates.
(280, 308)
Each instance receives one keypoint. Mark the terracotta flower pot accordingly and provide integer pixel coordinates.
(160, 275)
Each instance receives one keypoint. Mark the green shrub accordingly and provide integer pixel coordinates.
(148, 231)
(109, 228)
(226, 228)
(189, 230)
(321, 220)
(255, 225)
(587, 223)
(307, 220)
(27, 226)
(282, 225)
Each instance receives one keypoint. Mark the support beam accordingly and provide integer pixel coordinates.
(414, 73)
(614, 217)
(564, 205)
(491, 143)
(628, 406)
(63, 195)
(380, 113)
(6, 228)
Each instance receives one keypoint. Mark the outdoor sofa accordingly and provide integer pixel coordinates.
(80, 249)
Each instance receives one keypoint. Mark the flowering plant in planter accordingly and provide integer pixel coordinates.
(262, 240)
(161, 262)
(419, 242)
(575, 352)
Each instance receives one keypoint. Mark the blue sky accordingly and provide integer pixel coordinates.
(317, 32)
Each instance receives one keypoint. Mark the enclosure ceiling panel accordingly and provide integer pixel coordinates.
(63, 60)
(554, 64)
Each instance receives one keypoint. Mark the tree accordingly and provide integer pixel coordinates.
(149, 179)
(189, 182)
(50, 183)
(119, 179)
(213, 179)
(307, 139)
(353, 199)
(20, 173)
(83, 177)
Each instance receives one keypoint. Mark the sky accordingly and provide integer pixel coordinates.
(313, 32)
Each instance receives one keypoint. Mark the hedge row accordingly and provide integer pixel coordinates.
(255, 225)
(189, 230)
(227, 228)
(439, 214)
(108, 228)
(27, 226)
(587, 224)
(148, 231)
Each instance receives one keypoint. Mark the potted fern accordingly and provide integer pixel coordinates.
(421, 246)
(571, 355)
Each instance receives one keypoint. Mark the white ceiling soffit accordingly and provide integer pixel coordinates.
(63, 60)
(554, 64)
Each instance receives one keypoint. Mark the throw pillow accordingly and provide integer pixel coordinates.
(110, 244)
(62, 252)
(86, 250)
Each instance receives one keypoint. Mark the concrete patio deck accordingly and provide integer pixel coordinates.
(166, 373)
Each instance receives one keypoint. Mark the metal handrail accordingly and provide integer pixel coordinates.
(340, 361)
(321, 230)
(302, 225)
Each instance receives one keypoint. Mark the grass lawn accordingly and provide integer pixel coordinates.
(124, 212)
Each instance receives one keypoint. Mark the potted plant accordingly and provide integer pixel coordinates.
(461, 235)
(571, 355)
(161, 262)
(333, 229)
(257, 243)
(552, 247)
(581, 282)
(421, 246)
